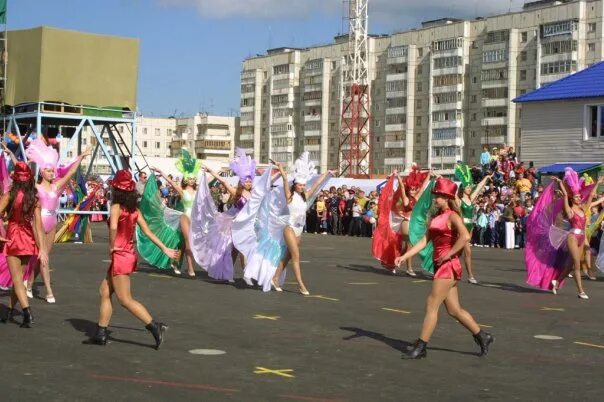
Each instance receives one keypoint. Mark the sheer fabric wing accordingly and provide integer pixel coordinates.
(203, 217)
(418, 227)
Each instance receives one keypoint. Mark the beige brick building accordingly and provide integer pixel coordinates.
(439, 92)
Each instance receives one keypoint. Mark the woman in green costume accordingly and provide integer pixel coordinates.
(466, 201)
(187, 189)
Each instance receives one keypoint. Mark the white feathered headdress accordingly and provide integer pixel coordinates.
(304, 169)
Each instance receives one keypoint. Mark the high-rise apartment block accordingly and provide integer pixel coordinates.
(439, 93)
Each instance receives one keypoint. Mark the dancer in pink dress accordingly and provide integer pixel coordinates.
(54, 179)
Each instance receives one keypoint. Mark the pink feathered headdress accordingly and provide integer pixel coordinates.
(243, 166)
(44, 156)
(571, 178)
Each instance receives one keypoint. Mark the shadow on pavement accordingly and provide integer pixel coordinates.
(509, 287)
(89, 329)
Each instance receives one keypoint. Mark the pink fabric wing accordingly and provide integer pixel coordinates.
(63, 168)
(5, 180)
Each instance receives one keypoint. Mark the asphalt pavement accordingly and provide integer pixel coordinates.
(343, 343)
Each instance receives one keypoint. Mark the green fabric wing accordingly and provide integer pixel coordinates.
(418, 226)
(153, 211)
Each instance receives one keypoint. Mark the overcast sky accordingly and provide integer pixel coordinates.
(191, 50)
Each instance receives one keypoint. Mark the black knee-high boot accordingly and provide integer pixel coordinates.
(157, 329)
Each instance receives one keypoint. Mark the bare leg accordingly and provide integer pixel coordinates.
(45, 269)
(106, 308)
(454, 309)
(282, 265)
(185, 224)
(17, 266)
(406, 244)
(121, 287)
(293, 245)
(440, 291)
(575, 252)
(467, 257)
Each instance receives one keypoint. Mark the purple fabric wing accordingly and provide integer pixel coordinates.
(5, 180)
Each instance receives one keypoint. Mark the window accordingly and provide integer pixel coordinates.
(559, 67)
(591, 27)
(522, 56)
(420, 69)
(595, 121)
(558, 47)
(395, 119)
(447, 97)
(418, 104)
(447, 62)
(447, 80)
(473, 134)
(244, 102)
(377, 123)
(316, 64)
(474, 99)
(474, 80)
(524, 37)
(497, 36)
(398, 51)
(473, 118)
(472, 152)
(445, 134)
(591, 47)
(418, 121)
(396, 102)
(522, 75)
(447, 44)
(83, 141)
(157, 131)
(496, 74)
(396, 86)
(493, 56)
(418, 155)
(145, 131)
(558, 28)
(281, 69)
(419, 87)
(144, 144)
(420, 52)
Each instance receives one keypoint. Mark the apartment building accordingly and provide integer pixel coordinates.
(208, 137)
(439, 93)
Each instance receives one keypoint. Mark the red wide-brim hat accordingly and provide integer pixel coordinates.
(445, 187)
(123, 181)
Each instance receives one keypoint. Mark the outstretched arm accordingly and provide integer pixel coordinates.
(480, 187)
(425, 184)
(401, 184)
(567, 208)
(231, 190)
(12, 156)
(142, 223)
(593, 193)
(286, 189)
(318, 183)
(174, 185)
(62, 182)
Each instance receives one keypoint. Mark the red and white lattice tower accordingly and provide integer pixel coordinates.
(356, 156)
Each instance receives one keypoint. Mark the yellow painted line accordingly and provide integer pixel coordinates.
(363, 283)
(396, 311)
(160, 276)
(485, 326)
(589, 344)
(280, 372)
(321, 297)
(420, 281)
(551, 309)
(266, 317)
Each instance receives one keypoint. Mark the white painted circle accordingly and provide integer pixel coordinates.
(207, 352)
(549, 337)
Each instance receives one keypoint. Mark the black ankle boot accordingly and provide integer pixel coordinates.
(417, 351)
(28, 318)
(483, 339)
(100, 338)
(8, 317)
(157, 329)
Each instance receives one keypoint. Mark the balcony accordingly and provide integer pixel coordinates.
(494, 84)
(546, 79)
(312, 133)
(448, 70)
(438, 160)
(559, 57)
(312, 117)
(288, 148)
(282, 91)
(394, 161)
(397, 60)
(396, 77)
(283, 105)
(313, 87)
(246, 137)
(395, 127)
(246, 123)
(447, 124)
(447, 106)
(396, 110)
(493, 140)
(313, 102)
(283, 76)
(452, 142)
(499, 102)
(246, 109)
(447, 88)
(311, 148)
(396, 94)
(458, 51)
(394, 144)
(282, 119)
(495, 121)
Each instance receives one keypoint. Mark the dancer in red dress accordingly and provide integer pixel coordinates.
(122, 224)
(24, 236)
(447, 232)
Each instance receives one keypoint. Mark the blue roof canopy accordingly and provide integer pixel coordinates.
(588, 83)
(578, 167)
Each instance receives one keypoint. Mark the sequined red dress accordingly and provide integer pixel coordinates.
(20, 233)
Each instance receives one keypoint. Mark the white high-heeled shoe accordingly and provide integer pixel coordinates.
(555, 287)
(50, 299)
(274, 286)
(583, 296)
(304, 292)
(175, 269)
(248, 281)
